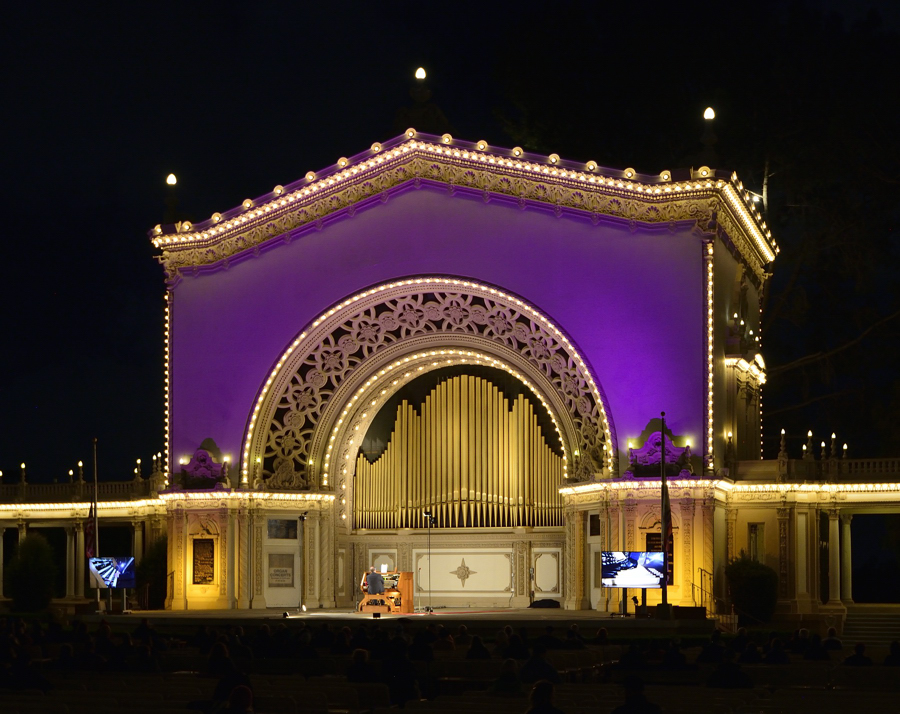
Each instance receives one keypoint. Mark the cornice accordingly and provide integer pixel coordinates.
(715, 204)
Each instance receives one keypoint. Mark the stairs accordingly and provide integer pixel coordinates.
(873, 629)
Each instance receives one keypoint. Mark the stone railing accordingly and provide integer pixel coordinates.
(82, 491)
(828, 470)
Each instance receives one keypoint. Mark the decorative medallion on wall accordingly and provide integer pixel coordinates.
(463, 572)
(292, 448)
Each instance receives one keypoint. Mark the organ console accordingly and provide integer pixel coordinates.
(397, 597)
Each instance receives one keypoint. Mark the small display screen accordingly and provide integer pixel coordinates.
(112, 572)
(640, 569)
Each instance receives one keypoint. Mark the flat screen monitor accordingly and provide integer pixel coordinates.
(643, 569)
(112, 572)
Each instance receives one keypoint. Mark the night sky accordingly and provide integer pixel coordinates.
(102, 102)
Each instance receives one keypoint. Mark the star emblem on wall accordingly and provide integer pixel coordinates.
(463, 572)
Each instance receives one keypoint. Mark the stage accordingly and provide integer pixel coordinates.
(484, 620)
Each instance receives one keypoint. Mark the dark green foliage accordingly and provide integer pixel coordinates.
(754, 589)
(153, 571)
(30, 576)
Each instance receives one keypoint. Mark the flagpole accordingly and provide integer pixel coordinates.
(96, 517)
(664, 511)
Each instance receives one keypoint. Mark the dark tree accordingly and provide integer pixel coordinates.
(152, 571)
(29, 578)
(754, 589)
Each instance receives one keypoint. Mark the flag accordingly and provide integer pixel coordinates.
(89, 540)
(667, 524)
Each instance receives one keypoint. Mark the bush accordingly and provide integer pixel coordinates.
(754, 589)
(29, 578)
(153, 570)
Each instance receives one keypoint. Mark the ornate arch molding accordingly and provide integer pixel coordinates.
(303, 413)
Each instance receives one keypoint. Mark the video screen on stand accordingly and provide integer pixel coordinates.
(635, 569)
(112, 572)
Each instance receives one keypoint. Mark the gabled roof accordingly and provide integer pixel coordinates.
(717, 203)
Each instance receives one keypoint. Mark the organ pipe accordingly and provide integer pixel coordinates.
(470, 457)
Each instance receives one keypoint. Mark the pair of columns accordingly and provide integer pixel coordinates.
(840, 562)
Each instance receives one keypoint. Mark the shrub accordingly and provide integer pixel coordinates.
(29, 578)
(754, 589)
(153, 570)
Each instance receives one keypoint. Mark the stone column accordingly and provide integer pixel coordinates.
(70, 563)
(326, 572)
(257, 598)
(138, 540)
(846, 562)
(730, 521)
(231, 562)
(242, 546)
(834, 557)
(23, 530)
(79, 559)
(689, 572)
(783, 552)
(574, 560)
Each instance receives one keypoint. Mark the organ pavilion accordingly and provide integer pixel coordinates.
(449, 359)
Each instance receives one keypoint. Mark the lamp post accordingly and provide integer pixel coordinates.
(429, 519)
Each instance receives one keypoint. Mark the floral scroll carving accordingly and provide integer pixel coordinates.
(384, 322)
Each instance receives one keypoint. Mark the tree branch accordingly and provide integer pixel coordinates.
(792, 407)
(819, 356)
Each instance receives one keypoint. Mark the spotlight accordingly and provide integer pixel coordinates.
(376, 615)
(285, 615)
(303, 608)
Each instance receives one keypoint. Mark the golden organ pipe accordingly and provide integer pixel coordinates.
(470, 456)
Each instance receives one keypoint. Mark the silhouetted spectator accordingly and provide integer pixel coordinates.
(799, 641)
(240, 700)
(635, 701)
(572, 641)
(420, 649)
(462, 637)
(632, 658)
(893, 659)
(751, 654)
(444, 641)
(601, 638)
(516, 648)
(360, 668)
(477, 650)
(508, 683)
(674, 658)
(548, 640)
(858, 658)
(537, 668)
(728, 675)
(713, 650)
(401, 677)
(815, 652)
(832, 642)
(542, 699)
(776, 654)
(740, 640)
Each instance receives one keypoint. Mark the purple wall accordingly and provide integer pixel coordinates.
(633, 302)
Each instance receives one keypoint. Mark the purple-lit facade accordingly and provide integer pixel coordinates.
(644, 290)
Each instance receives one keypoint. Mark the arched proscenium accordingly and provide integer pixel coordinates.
(288, 424)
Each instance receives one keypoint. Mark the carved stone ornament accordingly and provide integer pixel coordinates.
(645, 461)
(713, 205)
(301, 426)
(203, 472)
(463, 572)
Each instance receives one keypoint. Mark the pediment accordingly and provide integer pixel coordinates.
(715, 204)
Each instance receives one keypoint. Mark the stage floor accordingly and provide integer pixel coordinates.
(588, 621)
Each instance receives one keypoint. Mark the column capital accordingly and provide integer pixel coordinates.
(834, 513)
(847, 518)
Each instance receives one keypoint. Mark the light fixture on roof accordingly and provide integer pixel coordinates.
(420, 73)
(278, 190)
(666, 175)
(247, 203)
(342, 162)
(630, 173)
(171, 180)
(481, 145)
(553, 158)
(591, 165)
(376, 147)
(446, 138)
(310, 175)
(410, 133)
(709, 113)
(517, 151)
